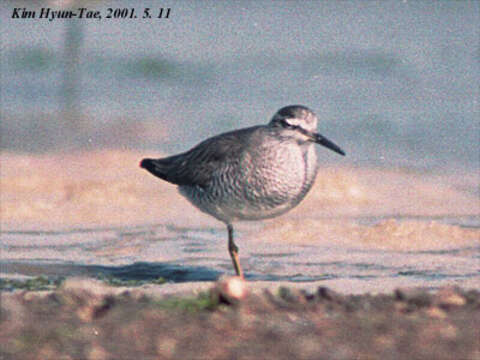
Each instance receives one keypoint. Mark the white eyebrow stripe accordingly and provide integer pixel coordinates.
(293, 121)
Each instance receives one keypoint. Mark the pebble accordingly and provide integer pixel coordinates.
(230, 289)
(449, 297)
(416, 296)
(436, 313)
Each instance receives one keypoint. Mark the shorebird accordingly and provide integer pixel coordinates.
(253, 173)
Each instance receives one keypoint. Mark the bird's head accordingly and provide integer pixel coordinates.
(300, 123)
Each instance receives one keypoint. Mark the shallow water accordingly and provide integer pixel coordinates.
(200, 254)
(392, 84)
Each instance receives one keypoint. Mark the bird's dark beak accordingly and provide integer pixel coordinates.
(322, 140)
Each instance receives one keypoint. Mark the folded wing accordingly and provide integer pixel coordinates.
(197, 166)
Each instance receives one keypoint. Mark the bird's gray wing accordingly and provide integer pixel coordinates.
(197, 166)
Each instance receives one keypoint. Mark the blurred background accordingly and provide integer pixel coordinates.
(395, 83)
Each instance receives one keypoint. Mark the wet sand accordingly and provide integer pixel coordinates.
(359, 231)
(99, 208)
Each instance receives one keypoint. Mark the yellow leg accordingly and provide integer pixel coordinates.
(233, 250)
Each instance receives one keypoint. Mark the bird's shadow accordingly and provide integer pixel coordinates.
(139, 271)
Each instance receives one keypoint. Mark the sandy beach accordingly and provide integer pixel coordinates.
(100, 260)
(101, 189)
(372, 260)
(100, 208)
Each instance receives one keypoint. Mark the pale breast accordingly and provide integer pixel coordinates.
(267, 180)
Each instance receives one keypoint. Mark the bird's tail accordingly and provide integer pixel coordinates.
(155, 167)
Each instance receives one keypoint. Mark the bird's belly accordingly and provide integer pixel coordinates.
(265, 187)
(232, 207)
